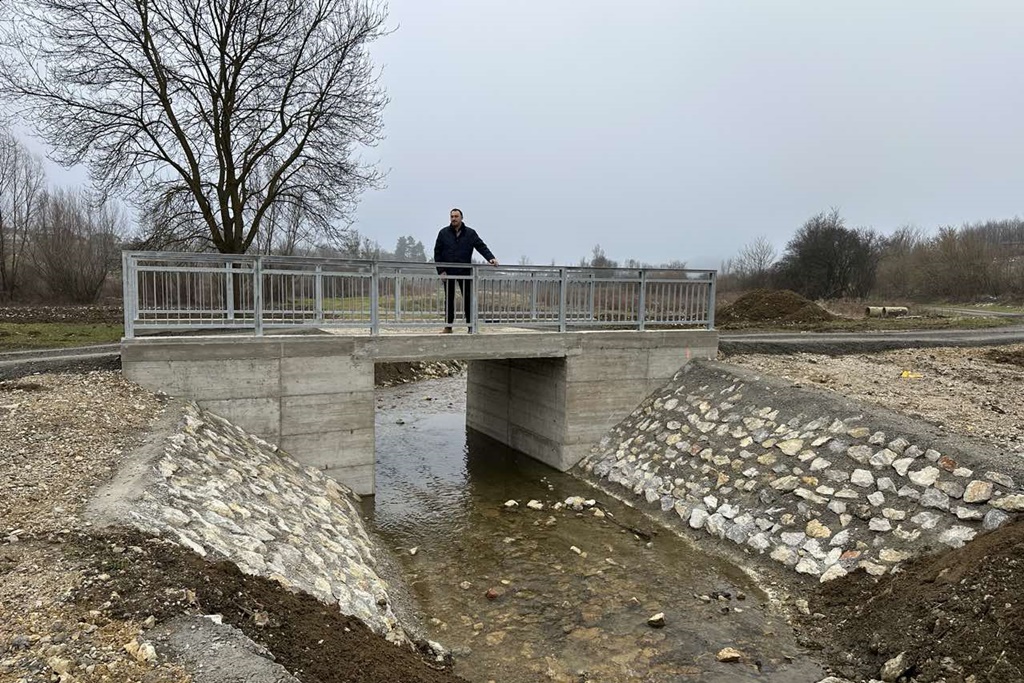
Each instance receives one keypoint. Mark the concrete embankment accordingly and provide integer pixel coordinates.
(816, 482)
(223, 493)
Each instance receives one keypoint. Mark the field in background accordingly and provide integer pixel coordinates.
(43, 327)
(29, 336)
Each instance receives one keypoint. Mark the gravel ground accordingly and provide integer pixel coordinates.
(62, 434)
(964, 390)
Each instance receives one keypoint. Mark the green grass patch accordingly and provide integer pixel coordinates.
(28, 336)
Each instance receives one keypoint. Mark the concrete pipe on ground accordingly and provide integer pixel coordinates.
(886, 311)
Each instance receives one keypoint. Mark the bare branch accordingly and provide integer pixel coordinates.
(227, 106)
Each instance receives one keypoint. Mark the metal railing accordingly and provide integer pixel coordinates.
(196, 292)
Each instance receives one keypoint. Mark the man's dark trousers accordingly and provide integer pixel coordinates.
(466, 288)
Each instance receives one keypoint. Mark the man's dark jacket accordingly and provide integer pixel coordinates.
(450, 248)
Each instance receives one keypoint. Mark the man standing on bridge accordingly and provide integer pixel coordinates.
(455, 244)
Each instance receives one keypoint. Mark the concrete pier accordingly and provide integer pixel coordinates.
(551, 396)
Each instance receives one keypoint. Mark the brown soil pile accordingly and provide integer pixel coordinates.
(155, 578)
(956, 615)
(771, 306)
(1009, 357)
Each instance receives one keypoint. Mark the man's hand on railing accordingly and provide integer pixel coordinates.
(493, 261)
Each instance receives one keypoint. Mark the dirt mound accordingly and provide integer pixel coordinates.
(956, 615)
(306, 637)
(1011, 357)
(771, 306)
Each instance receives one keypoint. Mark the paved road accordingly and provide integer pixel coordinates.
(860, 342)
(976, 312)
(75, 359)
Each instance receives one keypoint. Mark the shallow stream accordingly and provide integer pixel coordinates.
(529, 595)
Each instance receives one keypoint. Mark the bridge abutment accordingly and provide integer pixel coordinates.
(556, 409)
(315, 401)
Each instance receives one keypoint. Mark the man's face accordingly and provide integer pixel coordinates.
(456, 219)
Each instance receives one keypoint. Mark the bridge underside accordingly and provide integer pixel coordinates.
(551, 396)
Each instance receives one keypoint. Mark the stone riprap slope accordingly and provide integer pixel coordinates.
(816, 482)
(224, 493)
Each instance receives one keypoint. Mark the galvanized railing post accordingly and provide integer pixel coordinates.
(563, 297)
(533, 296)
(591, 297)
(398, 295)
(318, 294)
(711, 301)
(641, 313)
(257, 296)
(474, 300)
(229, 292)
(130, 288)
(374, 299)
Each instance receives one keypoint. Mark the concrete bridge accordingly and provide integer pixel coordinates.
(550, 395)
(544, 378)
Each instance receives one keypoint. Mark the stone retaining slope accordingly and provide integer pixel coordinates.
(226, 494)
(814, 481)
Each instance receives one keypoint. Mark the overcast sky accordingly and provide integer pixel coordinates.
(665, 129)
(682, 130)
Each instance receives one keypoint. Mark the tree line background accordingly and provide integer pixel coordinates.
(826, 259)
(61, 245)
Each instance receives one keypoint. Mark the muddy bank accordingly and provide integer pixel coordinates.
(954, 617)
(137, 601)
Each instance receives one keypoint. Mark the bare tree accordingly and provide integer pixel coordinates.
(827, 260)
(355, 245)
(598, 259)
(282, 231)
(22, 184)
(963, 265)
(76, 245)
(206, 112)
(899, 271)
(754, 262)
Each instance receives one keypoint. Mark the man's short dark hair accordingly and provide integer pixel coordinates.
(460, 212)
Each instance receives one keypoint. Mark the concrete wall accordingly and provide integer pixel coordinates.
(314, 400)
(521, 403)
(551, 396)
(556, 409)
